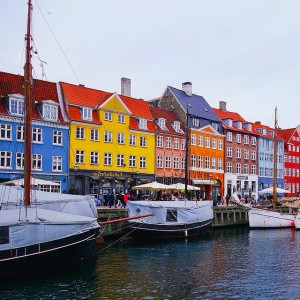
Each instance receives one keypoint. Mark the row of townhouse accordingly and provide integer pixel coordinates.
(93, 142)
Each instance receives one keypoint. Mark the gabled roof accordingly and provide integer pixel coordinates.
(169, 116)
(256, 126)
(134, 125)
(199, 106)
(83, 96)
(286, 134)
(42, 90)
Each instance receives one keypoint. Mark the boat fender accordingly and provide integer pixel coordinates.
(292, 223)
(100, 240)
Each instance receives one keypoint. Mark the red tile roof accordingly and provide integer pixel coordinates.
(133, 125)
(75, 115)
(42, 90)
(228, 115)
(286, 134)
(256, 126)
(169, 116)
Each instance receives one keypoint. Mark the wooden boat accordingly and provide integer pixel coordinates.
(271, 217)
(33, 238)
(170, 219)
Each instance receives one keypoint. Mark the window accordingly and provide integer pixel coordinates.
(86, 113)
(213, 163)
(246, 169)
(94, 158)
(107, 136)
(108, 116)
(183, 144)
(229, 136)
(229, 167)
(142, 141)
(200, 140)
(253, 140)
(220, 144)
(246, 139)
(220, 164)
(193, 139)
(229, 152)
(5, 159)
(107, 159)
(183, 163)
(215, 126)
(213, 143)
(207, 142)
(79, 156)
(159, 161)
(132, 161)
(16, 106)
(36, 162)
(168, 142)
(37, 135)
(207, 162)
(200, 161)
(20, 133)
(238, 153)
(120, 138)
(238, 138)
(132, 140)
(162, 123)
(253, 155)
(80, 133)
(120, 160)
(142, 162)
(94, 135)
(5, 131)
(56, 163)
(196, 122)
(171, 215)
(160, 141)
(246, 154)
(176, 163)
(121, 119)
(193, 160)
(176, 126)
(57, 137)
(50, 112)
(176, 143)
(168, 162)
(142, 123)
(19, 160)
(238, 168)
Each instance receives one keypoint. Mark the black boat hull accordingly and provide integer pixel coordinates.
(46, 256)
(159, 231)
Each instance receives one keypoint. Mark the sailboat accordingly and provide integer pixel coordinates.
(33, 238)
(271, 217)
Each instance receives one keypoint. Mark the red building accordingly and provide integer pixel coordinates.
(291, 139)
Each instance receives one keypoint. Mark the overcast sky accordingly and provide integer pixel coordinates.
(246, 53)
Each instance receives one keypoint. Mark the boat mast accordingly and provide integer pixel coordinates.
(186, 176)
(27, 110)
(275, 162)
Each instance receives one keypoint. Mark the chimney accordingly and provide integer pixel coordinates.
(222, 105)
(126, 87)
(187, 88)
(258, 122)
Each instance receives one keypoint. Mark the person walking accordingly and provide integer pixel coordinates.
(125, 199)
(227, 199)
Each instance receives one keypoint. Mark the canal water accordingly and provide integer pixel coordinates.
(233, 263)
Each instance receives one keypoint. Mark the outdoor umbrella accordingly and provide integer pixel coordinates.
(152, 186)
(33, 181)
(181, 186)
(270, 191)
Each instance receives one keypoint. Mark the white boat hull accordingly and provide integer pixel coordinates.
(263, 218)
(297, 222)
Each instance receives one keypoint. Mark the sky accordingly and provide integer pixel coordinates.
(244, 52)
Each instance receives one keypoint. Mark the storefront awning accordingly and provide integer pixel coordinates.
(204, 181)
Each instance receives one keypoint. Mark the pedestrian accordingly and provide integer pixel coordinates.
(125, 199)
(218, 199)
(227, 199)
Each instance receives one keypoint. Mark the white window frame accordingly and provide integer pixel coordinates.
(6, 132)
(5, 160)
(56, 164)
(50, 112)
(80, 133)
(120, 160)
(132, 161)
(168, 142)
(107, 159)
(20, 133)
(94, 135)
(79, 156)
(143, 161)
(121, 119)
(20, 161)
(36, 162)
(120, 138)
(107, 136)
(176, 143)
(132, 140)
(94, 158)
(108, 116)
(37, 135)
(143, 141)
(16, 106)
(57, 137)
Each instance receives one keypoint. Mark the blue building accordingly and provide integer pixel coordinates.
(50, 133)
(266, 157)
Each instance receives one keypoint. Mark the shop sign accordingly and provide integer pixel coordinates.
(108, 174)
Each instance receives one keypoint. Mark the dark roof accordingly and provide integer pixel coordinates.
(199, 106)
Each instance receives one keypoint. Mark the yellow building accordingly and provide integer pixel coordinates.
(112, 140)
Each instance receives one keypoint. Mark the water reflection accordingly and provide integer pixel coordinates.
(234, 263)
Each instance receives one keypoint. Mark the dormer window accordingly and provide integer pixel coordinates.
(50, 112)
(215, 126)
(16, 106)
(238, 124)
(264, 131)
(142, 123)
(86, 113)
(196, 122)
(176, 126)
(228, 122)
(162, 123)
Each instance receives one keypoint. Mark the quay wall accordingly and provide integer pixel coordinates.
(224, 216)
